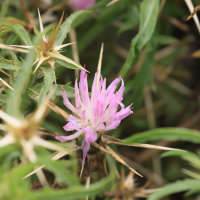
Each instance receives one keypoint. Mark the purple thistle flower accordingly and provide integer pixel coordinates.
(96, 114)
(81, 4)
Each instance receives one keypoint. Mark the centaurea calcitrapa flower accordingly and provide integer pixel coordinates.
(96, 114)
(46, 51)
(81, 4)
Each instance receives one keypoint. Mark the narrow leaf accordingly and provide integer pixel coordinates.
(21, 32)
(171, 134)
(49, 78)
(148, 18)
(65, 64)
(176, 187)
(77, 192)
(66, 26)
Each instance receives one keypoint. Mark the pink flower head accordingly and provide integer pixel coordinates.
(95, 114)
(81, 4)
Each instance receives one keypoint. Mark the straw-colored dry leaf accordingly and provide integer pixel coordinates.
(112, 140)
(109, 151)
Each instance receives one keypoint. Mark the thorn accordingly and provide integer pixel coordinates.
(99, 65)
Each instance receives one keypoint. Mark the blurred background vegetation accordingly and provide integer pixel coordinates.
(160, 67)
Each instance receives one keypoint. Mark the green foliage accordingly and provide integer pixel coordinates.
(144, 76)
(21, 32)
(66, 26)
(13, 107)
(179, 186)
(148, 18)
(65, 64)
(76, 192)
(165, 39)
(171, 134)
(188, 156)
(49, 78)
(69, 90)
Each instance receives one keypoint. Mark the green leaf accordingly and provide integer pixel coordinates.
(49, 78)
(179, 153)
(7, 66)
(64, 170)
(21, 32)
(58, 89)
(37, 88)
(65, 64)
(10, 40)
(13, 107)
(176, 187)
(148, 18)
(27, 93)
(17, 63)
(4, 32)
(3, 98)
(11, 184)
(15, 59)
(3, 60)
(144, 76)
(14, 100)
(165, 39)
(188, 156)
(81, 18)
(69, 90)
(133, 19)
(171, 134)
(132, 59)
(66, 26)
(62, 174)
(104, 20)
(77, 191)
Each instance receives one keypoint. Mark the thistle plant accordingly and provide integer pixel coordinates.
(85, 135)
(47, 50)
(97, 114)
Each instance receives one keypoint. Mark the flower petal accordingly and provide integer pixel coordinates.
(67, 102)
(81, 4)
(113, 125)
(83, 85)
(85, 148)
(70, 137)
(112, 85)
(70, 127)
(79, 104)
(90, 135)
(73, 122)
(124, 113)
